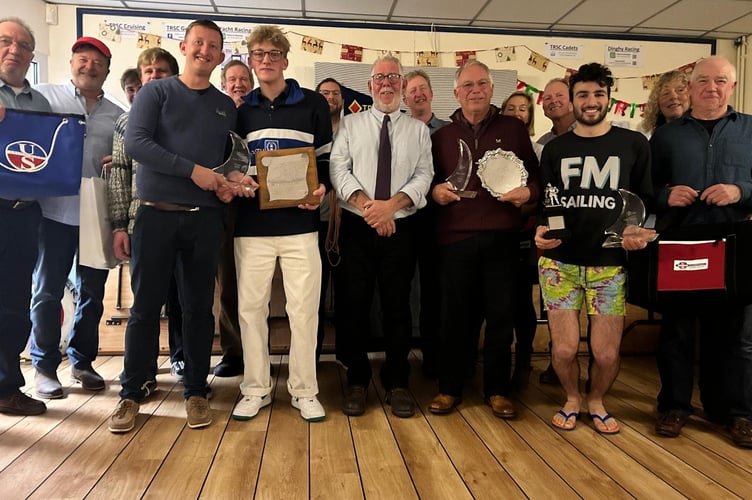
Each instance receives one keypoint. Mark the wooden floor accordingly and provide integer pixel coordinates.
(69, 453)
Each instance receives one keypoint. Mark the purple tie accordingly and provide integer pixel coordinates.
(384, 165)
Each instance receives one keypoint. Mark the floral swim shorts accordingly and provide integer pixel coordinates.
(564, 286)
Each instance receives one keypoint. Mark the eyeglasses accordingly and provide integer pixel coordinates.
(6, 42)
(393, 77)
(333, 93)
(274, 55)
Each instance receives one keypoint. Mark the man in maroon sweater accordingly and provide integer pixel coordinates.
(479, 243)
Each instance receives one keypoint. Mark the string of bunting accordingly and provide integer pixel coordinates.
(617, 106)
(431, 58)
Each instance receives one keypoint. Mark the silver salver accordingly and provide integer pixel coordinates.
(501, 171)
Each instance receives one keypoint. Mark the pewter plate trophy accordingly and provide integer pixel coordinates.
(501, 171)
(239, 159)
(553, 211)
(631, 217)
(461, 175)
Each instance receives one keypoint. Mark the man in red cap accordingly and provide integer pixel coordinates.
(58, 233)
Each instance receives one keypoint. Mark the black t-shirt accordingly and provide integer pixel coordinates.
(588, 171)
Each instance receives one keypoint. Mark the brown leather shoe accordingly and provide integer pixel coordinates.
(443, 404)
(741, 432)
(670, 424)
(501, 406)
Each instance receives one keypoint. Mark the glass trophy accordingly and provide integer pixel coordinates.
(501, 171)
(239, 159)
(461, 175)
(553, 212)
(628, 222)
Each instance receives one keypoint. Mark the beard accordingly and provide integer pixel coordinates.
(580, 117)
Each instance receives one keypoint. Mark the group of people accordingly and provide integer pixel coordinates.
(182, 225)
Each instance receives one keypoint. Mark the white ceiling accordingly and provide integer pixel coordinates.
(725, 19)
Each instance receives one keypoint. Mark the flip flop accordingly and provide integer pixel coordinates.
(566, 416)
(600, 421)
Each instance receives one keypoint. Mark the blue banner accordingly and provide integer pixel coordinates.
(41, 154)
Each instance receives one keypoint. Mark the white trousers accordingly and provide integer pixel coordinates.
(255, 260)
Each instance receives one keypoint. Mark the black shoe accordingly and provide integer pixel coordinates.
(670, 424)
(549, 376)
(88, 378)
(401, 402)
(741, 432)
(230, 366)
(354, 403)
(19, 403)
(47, 386)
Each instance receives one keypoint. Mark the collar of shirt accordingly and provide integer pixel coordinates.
(24, 90)
(77, 92)
(380, 115)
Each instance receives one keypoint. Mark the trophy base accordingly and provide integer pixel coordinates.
(556, 234)
(465, 194)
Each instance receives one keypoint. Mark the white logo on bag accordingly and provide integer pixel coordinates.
(28, 156)
(691, 265)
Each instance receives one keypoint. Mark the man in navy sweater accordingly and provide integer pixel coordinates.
(177, 131)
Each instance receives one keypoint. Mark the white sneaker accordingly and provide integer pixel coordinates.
(310, 408)
(249, 406)
(177, 369)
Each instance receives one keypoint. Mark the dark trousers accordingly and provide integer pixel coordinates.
(367, 259)
(428, 275)
(478, 271)
(58, 248)
(19, 236)
(174, 322)
(186, 243)
(326, 274)
(525, 319)
(740, 370)
(720, 323)
(229, 327)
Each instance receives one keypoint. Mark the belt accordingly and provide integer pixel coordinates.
(169, 207)
(16, 204)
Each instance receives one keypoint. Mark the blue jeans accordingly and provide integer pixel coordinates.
(19, 233)
(163, 243)
(58, 246)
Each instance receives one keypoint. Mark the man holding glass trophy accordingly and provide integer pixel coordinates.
(586, 173)
(486, 170)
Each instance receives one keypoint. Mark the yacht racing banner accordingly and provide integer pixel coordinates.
(41, 154)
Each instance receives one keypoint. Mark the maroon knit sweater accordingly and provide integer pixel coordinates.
(469, 217)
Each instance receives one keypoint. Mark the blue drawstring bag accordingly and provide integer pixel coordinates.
(41, 154)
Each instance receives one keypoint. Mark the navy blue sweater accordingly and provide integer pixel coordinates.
(172, 127)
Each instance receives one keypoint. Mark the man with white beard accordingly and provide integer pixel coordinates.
(379, 197)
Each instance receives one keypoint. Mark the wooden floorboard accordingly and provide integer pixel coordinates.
(69, 453)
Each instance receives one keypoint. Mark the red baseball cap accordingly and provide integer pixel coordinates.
(97, 44)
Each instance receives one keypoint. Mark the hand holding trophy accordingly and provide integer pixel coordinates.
(234, 169)
(553, 212)
(461, 176)
(627, 230)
